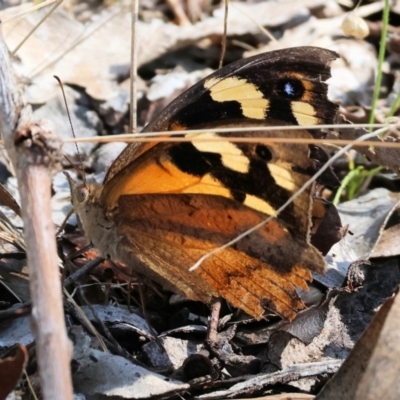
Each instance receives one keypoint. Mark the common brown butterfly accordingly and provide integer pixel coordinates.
(162, 206)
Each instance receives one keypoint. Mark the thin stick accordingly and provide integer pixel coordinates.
(28, 11)
(36, 27)
(224, 35)
(266, 32)
(83, 271)
(212, 330)
(230, 130)
(64, 223)
(53, 346)
(72, 128)
(270, 140)
(134, 66)
(32, 155)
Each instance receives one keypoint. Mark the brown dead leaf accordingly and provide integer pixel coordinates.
(11, 367)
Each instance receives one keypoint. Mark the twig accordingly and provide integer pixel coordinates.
(20, 310)
(261, 381)
(34, 153)
(83, 271)
(134, 65)
(212, 331)
(224, 35)
(36, 27)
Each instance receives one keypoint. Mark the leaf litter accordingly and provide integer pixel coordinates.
(250, 358)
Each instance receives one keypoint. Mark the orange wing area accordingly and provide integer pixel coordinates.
(128, 155)
(154, 170)
(153, 173)
(167, 234)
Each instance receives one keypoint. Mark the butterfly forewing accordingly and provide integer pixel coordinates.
(286, 85)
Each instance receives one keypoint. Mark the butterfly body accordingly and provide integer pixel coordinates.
(163, 206)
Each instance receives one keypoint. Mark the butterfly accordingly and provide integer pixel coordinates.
(163, 206)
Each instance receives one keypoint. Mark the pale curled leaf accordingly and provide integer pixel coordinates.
(365, 217)
(354, 25)
(388, 244)
(102, 374)
(172, 353)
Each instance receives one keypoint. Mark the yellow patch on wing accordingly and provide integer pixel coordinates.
(231, 156)
(258, 204)
(251, 100)
(209, 185)
(282, 174)
(304, 113)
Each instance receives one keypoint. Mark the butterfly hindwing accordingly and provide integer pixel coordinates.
(169, 233)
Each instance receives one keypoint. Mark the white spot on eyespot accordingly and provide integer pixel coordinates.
(289, 90)
(251, 99)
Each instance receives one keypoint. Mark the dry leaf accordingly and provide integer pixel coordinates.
(371, 370)
(11, 368)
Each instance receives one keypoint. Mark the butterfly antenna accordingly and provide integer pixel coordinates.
(79, 170)
(73, 132)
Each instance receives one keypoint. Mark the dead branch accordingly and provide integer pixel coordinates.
(34, 152)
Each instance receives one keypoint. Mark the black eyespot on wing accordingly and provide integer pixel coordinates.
(290, 88)
(263, 152)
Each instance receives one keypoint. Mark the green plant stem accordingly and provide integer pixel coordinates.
(345, 182)
(395, 105)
